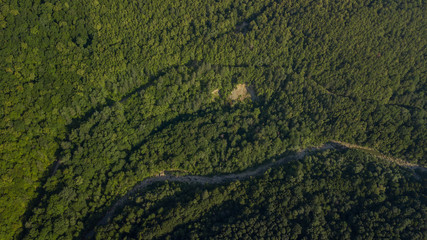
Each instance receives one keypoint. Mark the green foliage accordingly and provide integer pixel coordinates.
(97, 95)
(320, 197)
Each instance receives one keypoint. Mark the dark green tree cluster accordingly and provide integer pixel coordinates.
(331, 195)
(110, 92)
(181, 129)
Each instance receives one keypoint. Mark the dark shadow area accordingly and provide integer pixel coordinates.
(186, 192)
(76, 123)
(242, 26)
(149, 183)
(227, 212)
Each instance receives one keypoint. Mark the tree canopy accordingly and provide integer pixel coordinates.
(96, 96)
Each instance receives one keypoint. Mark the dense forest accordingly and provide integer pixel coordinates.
(327, 196)
(96, 96)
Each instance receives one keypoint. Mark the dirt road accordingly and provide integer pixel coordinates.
(218, 179)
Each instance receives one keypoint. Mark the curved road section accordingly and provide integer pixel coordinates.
(218, 179)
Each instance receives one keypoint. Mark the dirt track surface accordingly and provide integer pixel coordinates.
(218, 179)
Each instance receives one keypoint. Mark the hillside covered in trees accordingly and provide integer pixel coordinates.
(97, 96)
(326, 196)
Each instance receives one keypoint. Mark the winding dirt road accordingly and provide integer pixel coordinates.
(218, 179)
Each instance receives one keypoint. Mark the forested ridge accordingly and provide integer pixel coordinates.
(176, 176)
(99, 95)
(329, 195)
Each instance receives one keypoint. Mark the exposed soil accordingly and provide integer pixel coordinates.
(241, 92)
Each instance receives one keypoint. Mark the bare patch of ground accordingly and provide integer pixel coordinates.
(241, 92)
(215, 93)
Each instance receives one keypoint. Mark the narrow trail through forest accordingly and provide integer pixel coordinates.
(219, 179)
